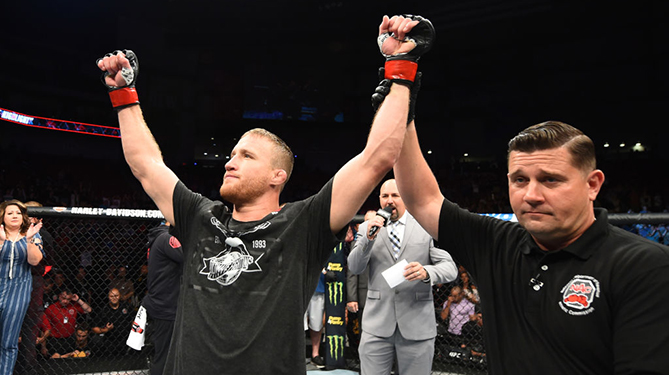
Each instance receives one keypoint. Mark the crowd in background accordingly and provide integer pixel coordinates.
(477, 186)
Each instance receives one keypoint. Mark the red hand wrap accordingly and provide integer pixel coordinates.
(401, 69)
(124, 97)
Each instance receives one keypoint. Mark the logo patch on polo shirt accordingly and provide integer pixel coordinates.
(579, 295)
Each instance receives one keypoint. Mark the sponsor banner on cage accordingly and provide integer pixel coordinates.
(121, 213)
(335, 310)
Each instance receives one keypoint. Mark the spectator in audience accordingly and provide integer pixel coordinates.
(457, 311)
(114, 321)
(470, 290)
(78, 345)
(27, 350)
(165, 263)
(81, 285)
(44, 332)
(102, 276)
(472, 334)
(63, 317)
(123, 284)
(20, 248)
(58, 284)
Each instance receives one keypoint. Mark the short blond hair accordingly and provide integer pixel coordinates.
(284, 158)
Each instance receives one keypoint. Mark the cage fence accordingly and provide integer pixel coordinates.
(92, 253)
(86, 292)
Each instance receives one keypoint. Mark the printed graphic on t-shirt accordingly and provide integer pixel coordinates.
(227, 265)
(579, 294)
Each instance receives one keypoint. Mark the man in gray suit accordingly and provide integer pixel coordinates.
(401, 320)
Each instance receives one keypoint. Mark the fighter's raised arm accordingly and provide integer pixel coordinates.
(402, 40)
(139, 147)
(415, 180)
(417, 184)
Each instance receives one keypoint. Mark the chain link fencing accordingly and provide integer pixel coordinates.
(90, 250)
(95, 258)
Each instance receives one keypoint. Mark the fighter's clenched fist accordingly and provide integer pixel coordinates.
(402, 41)
(120, 73)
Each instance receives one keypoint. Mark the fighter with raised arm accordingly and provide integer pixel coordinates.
(250, 271)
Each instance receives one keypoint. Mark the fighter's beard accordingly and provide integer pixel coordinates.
(240, 194)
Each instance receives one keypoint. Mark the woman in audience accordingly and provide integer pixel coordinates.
(20, 247)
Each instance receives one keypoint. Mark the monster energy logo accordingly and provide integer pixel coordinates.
(336, 344)
(336, 292)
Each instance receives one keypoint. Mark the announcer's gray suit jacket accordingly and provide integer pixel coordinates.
(409, 305)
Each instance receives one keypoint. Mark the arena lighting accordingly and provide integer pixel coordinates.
(622, 144)
(465, 154)
(62, 125)
(429, 152)
(606, 144)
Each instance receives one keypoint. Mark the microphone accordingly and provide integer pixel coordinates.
(385, 214)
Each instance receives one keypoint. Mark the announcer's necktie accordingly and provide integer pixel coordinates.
(395, 238)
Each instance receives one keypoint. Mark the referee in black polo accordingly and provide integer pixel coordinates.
(562, 290)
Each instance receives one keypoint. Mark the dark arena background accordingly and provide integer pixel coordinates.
(209, 71)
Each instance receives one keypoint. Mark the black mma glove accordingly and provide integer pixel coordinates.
(402, 68)
(124, 96)
(383, 89)
(414, 96)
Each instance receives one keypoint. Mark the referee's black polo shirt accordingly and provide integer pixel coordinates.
(599, 306)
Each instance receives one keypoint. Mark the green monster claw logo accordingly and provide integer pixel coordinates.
(336, 292)
(336, 346)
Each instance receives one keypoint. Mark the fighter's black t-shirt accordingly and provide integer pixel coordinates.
(246, 285)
